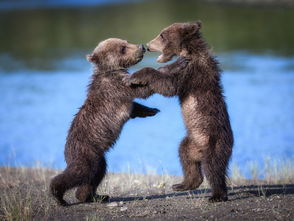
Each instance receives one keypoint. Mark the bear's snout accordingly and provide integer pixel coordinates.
(142, 48)
(148, 49)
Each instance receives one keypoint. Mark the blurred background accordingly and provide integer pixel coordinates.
(44, 77)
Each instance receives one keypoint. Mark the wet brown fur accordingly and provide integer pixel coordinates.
(209, 141)
(97, 125)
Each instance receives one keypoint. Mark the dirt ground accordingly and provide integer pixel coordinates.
(273, 202)
(24, 196)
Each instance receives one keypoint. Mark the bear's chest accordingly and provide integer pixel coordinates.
(189, 105)
(190, 111)
(123, 111)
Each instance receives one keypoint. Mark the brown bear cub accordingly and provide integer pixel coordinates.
(209, 141)
(98, 123)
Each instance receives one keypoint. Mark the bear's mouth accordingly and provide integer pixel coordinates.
(163, 58)
(160, 59)
(140, 55)
(139, 58)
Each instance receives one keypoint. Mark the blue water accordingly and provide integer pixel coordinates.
(37, 107)
(31, 4)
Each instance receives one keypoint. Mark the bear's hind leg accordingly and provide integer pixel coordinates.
(58, 186)
(71, 177)
(215, 172)
(192, 169)
(87, 192)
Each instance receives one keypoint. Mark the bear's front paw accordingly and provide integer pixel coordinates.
(131, 80)
(152, 112)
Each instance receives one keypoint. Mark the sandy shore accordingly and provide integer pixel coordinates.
(24, 196)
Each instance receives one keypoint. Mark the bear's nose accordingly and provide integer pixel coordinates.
(142, 48)
(147, 47)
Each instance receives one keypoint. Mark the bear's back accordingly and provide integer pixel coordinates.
(99, 121)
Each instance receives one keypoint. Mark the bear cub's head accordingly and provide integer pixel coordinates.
(170, 41)
(114, 54)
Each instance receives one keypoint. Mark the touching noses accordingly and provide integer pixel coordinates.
(142, 48)
(147, 47)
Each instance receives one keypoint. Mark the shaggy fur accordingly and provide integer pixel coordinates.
(98, 123)
(209, 141)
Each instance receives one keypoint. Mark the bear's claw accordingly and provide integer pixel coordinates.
(100, 198)
(181, 187)
(215, 199)
(130, 80)
(152, 111)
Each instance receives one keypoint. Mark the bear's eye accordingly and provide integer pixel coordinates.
(123, 49)
(161, 36)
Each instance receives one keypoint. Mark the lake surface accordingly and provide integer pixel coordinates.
(44, 76)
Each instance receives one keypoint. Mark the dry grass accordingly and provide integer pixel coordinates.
(273, 172)
(24, 191)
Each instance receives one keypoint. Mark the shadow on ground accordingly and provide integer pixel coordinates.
(244, 191)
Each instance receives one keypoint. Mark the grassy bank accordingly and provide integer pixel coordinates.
(24, 196)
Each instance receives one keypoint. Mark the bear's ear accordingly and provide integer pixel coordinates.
(92, 58)
(191, 28)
